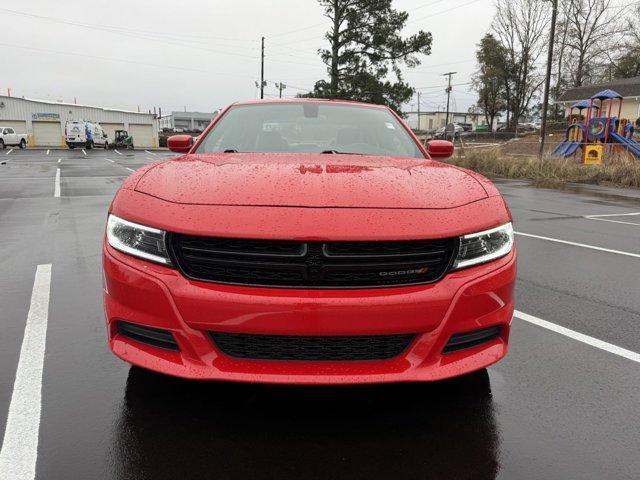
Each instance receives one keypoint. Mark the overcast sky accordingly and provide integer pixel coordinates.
(203, 55)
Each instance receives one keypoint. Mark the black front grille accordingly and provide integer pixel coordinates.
(312, 264)
(310, 348)
(459, 341)
(151, 336)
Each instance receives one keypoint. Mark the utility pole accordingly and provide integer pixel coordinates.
(262, 71)
(418, 93)
(280, 86)
(547, 82)
(446, 121)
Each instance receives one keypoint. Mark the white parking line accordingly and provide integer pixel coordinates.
(601, 249)
(150, 153)
(19, 452)
(117, 151)
(10, 150)
(109, 160)
(607, 218)
(614, 221)
(581, 337)
(48, 152)
(85, 153)
(632, 214)
(59, 160)
(56, 188)
(130, 169)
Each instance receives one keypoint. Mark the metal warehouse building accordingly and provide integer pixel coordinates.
(187, 121)
(44, 121)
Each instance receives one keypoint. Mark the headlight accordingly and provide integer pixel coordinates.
(484, 246)
(138, 240)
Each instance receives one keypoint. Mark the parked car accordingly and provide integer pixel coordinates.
(79, 133)
(9, 138)
(313, 242)
(527, 126)
(454, 130)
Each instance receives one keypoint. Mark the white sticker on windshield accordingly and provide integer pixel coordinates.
(390, 125)
(271, 127)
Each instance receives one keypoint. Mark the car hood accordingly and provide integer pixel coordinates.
(310, 180)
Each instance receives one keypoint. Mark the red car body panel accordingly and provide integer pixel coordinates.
(308, 197)
(300, 223)
(291, 180)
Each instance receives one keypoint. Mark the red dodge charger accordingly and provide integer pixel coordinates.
(312, 242)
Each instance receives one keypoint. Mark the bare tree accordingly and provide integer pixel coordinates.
(627, 62)
(594, 32)
(521, 25)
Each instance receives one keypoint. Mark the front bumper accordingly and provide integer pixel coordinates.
(76, 143)
(147, 294)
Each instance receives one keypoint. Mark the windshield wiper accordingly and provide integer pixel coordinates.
(336, 152)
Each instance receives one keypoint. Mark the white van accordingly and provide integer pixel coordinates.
(79, 133)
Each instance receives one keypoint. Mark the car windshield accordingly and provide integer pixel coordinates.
(310, 128)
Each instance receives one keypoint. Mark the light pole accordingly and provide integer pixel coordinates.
(262, 71)
(446, 118)
(280, 86)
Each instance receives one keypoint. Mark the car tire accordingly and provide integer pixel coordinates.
(71, 147)
(106, 145)
(2, 145)
(23, 144)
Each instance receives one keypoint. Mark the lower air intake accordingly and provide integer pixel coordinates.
(459, 341)
(151, 336)
(311, 348)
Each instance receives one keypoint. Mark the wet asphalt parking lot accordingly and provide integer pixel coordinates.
(564, 404)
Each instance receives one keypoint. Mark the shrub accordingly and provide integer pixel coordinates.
(619, 170)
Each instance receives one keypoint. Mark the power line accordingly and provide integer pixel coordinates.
(297, 30)
(151, 37)
(118, 29)
(430, 4)
(443, 11)
(408, 23)
(443, 86)
(121, 60)
(288, 85)
(308, 27)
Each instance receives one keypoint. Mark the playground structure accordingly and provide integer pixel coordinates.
(599, 131)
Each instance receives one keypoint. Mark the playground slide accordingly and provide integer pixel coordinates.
(632, 145)
(566, 149)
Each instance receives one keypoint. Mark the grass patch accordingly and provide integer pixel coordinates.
(620, 170)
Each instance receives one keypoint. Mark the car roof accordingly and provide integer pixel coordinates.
(328, 101)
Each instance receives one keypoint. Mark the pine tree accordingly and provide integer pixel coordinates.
(366, 51)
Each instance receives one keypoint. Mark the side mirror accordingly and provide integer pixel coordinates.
(180, 143)
(440, 149)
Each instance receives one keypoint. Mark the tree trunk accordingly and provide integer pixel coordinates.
(335, 47)
(579, 71)
(556, 107)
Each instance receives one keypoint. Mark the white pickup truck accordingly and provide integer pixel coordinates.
(8, 137)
